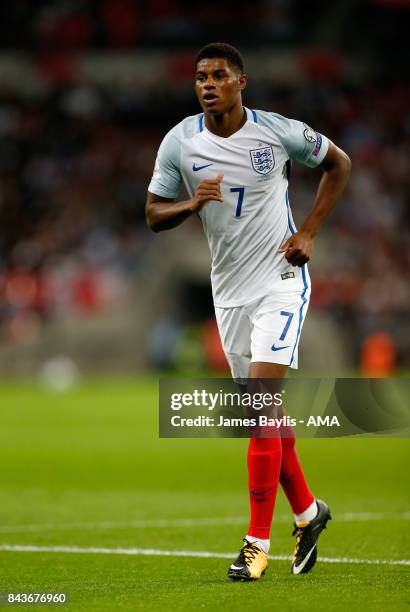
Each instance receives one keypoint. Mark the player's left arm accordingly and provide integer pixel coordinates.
(336, 170)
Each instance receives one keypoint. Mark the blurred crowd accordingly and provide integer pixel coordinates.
(122, 24)
(73, 178)
(79, 25)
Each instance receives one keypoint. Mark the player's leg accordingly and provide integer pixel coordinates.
(264, 460)
(310, 515)
(291, 477)
(235, 332)
(293, 481)
(277, 324)
(264, 457)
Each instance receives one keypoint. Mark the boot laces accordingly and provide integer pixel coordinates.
(248, 553)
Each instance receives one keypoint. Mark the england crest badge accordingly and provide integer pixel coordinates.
(263, 160)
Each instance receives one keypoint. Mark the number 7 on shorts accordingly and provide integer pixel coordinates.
(289, 316)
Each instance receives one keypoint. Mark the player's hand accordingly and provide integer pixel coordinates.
(207, 190)
(298, 248)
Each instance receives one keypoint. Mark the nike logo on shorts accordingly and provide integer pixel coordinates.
(196, 168)
(278, 348)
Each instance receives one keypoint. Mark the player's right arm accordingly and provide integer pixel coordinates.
(164, 213)
(161, 210)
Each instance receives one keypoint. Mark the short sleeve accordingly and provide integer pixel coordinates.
(299, 141)
(303, 144)
(166, 179)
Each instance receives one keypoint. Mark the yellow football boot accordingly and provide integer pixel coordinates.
(250, 564)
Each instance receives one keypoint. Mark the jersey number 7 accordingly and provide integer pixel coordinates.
(240, 191)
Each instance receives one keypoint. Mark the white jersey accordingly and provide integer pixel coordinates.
(254, 220)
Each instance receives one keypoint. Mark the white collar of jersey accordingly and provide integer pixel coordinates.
(250, 118)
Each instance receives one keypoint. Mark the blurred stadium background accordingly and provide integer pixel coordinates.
(88, 89)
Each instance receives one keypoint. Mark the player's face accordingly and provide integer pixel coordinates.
(218, 85)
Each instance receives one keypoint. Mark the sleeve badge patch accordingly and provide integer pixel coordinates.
(310, 134)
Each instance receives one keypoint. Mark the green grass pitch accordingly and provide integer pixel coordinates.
(86, 469)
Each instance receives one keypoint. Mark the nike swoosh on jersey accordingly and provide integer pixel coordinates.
(298, 568)
(278, 348)
(196, 168)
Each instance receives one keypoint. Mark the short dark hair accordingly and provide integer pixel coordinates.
(223, 50)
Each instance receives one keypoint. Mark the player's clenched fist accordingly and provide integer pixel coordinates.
(298, 248)
(207, 190)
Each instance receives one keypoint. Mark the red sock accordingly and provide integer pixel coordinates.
(292, 479)
(264, 459)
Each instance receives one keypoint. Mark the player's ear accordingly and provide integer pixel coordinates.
(242, 80)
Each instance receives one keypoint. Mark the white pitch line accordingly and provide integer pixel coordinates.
(192, 522)
(152, 552)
